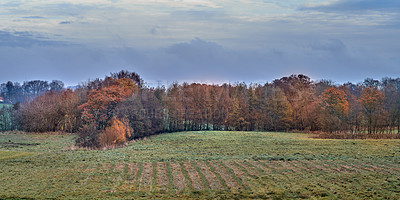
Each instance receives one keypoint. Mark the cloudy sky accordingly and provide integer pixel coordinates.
(199, 40)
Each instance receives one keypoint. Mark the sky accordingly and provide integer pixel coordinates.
(199, 40)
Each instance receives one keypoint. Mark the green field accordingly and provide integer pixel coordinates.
(201, 165)
(5, 105)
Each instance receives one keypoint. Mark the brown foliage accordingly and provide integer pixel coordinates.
(102, 102)
(335, 101)
(51, 112)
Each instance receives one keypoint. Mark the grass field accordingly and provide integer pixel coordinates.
(5, 105)
(201, 165)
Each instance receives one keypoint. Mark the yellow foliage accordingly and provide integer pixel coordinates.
(116, 133)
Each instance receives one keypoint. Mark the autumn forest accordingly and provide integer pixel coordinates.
(121, 107)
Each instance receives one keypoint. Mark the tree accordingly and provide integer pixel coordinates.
(336, 106)
(335, 102)
(372, 100)
(35, 88)
(100, 108)
(56, 86)
(279, 110)
(128, 75)
(391, 91)
(300, 93)
(101, 103)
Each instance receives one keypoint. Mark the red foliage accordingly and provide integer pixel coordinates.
(102, 102)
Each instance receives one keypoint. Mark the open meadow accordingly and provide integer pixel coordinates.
(200, 165)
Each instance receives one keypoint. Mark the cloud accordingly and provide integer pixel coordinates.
(356, 5)
(194, 40)
(34, 17)
(195, 60)
(66, 22)
(334, 46)
(26, 39)
(154, 30)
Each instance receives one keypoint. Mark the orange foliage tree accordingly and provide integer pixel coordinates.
(335, 101)
(372, 101)
(99, 110)
(101, 103)
(335, 109)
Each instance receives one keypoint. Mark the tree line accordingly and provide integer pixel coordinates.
(14, 92)
(119, 107)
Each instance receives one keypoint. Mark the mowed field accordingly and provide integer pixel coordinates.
(201, 165)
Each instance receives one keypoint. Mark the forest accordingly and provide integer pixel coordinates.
(121, 107)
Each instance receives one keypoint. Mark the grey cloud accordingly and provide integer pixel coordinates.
(26, 39)
(357, 5)
(33, 17)
(69, 9)
(195, 60)
(333, 45)
(65, 22)
(198, 14)
(154, 30)
(197, 49)
(14, 3)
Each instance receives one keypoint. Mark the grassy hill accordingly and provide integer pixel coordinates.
(4, 105)
(201, 165)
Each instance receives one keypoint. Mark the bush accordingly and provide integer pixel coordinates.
(88, 137)
(116, 133)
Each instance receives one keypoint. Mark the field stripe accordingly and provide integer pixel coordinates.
(203, 179)
(235, 174)
(261, 168)
(119, 177)
(179, 179)
(328, 178)
(188, 180)
(139, 175)
(154, 175)
(161, 179)
(214, 183)
(235, 166)
(170, 177)
(126, 171)
(133, 172)
(146, 179)
(255, 165)
(230, 182)
(252, 169)
(217, 175)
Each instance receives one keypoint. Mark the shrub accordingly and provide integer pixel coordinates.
(88, 136)
(116, 133)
